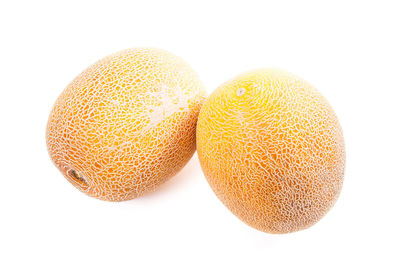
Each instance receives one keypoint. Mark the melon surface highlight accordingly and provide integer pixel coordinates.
(272, 150)
(126, 124)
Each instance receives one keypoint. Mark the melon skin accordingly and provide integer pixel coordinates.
(272, 150)
(126, 124)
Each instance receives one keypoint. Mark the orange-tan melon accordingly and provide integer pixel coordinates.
(272, 150)
(126, 124)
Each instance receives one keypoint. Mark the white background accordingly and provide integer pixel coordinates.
(347, 49)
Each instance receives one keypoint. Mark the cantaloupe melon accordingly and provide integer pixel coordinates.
(126, 124)
(272, 150)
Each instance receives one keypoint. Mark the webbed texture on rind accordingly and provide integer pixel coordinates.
(272, 150)
(126, 124)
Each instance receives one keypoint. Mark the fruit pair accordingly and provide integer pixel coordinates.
(269, 144)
